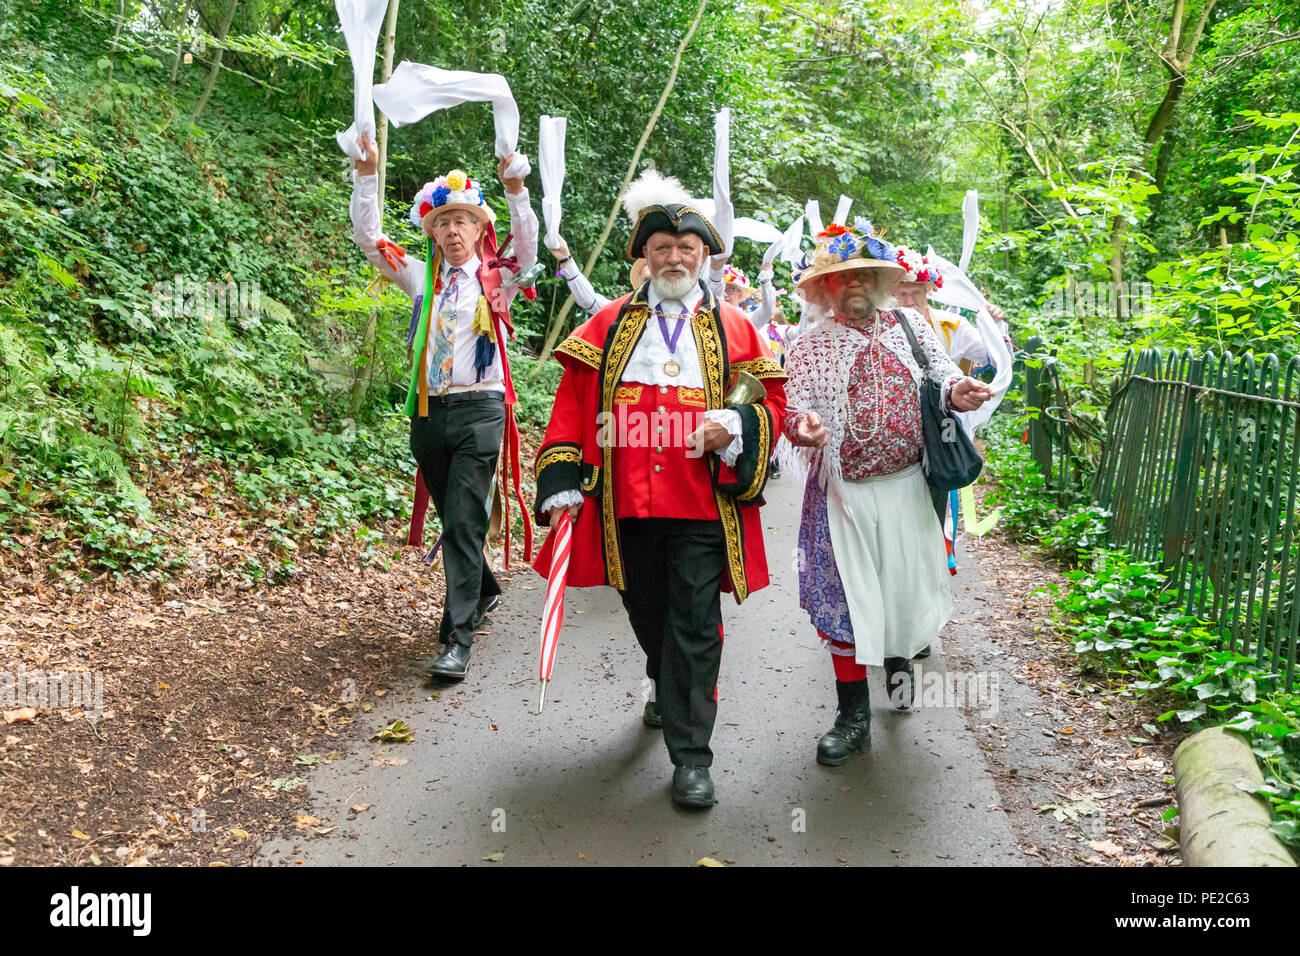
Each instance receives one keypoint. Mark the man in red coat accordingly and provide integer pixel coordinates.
(663, 479)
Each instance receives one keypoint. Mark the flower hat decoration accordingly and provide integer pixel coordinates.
(918, 267)
(733, 276)
(841, 247)
(455, 190)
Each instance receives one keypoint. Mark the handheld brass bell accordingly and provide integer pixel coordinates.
(744, 389)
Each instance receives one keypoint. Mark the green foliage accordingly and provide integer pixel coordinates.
(1245, 296)
(1123, 622)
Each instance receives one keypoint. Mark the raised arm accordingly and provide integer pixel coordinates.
(588, 299)
(766, 299)
(384, 254)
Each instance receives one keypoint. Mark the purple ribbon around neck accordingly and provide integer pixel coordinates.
(669, 340)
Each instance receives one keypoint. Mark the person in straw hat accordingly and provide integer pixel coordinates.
(662, 474)
(872, 569)
(461, 397)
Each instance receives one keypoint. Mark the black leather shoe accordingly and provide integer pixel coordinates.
(652, 717)
(692, 787)
(852, 730)
(485, 607)
(900, 683)
(452, 663)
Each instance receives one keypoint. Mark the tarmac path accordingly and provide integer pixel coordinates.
(586, 783)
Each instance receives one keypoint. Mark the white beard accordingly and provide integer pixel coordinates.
(673, 288)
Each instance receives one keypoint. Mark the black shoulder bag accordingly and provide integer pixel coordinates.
(953, 461)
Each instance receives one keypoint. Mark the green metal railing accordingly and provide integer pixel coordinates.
(1199, 472)
(1050, 423)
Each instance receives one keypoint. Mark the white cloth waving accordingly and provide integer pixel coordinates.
(416, 90)
(361, 21)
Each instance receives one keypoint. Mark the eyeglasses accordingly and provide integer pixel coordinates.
(447, 223)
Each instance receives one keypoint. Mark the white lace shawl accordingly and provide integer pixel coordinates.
(818, 381)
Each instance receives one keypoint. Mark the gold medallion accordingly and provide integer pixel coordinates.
(672, 368)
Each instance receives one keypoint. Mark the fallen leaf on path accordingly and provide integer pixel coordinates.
(494, 858)
(396, 732)
(708, 861)
(1108, 847)
(21, 714)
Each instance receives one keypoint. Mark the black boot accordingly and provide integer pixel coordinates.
(852, 730)
(900, 683)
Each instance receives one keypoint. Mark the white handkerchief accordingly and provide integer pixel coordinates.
(790, 241)
(970, 227)
(746, 228)
(842, 210)
(813, 212)
(724, 213)
(958, 290)
(416, 90)
(361, 21)
(550, 158)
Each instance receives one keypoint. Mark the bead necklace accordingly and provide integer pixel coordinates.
(872, 408)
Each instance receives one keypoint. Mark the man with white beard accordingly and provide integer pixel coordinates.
(872, 570)
(663, 477)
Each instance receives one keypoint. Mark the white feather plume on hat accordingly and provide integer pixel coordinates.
(652, 188)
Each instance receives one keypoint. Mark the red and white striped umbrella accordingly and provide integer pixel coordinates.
(553, 609)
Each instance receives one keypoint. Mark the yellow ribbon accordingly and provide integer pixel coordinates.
(483, 319)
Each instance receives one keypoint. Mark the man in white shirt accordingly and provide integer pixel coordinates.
(461, 396)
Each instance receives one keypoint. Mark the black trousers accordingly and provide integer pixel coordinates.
(457, 447)
(673, 568)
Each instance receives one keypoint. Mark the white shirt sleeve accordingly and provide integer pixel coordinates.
(967, 344)
(523, 234)
(523, 227)
(588, 299)
(367, 231)
(766, 300)
(716, 285)
(561, 499)
(729, 419)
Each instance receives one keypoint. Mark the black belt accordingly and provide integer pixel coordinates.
(480, 395)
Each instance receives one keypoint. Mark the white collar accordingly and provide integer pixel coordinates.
(470, 268)
(690, 302)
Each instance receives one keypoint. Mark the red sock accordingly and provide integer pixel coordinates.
(847, 669)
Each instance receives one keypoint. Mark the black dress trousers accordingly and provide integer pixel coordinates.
(456, 447)
(673, 568)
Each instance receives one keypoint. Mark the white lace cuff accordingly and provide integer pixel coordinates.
(729, 419)
(561, 499)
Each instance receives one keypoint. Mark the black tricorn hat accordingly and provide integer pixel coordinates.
(673, 217)
(657, 203)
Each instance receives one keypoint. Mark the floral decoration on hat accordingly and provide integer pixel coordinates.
(918, 267)
(456, 189)
(841, 247)
(733, 276)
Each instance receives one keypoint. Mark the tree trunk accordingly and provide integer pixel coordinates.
(364, 373)
(216, 63)
(553, 333)
(117, 35)
(1176, 57)
(1221, 824)
(177, 24)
